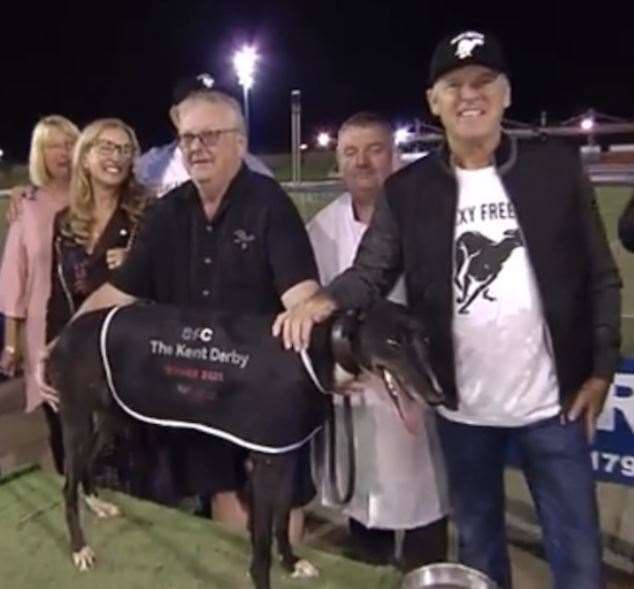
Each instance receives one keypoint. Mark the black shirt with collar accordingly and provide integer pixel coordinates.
(253, 250)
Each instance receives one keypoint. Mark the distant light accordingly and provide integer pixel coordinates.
(303, 147)
(401, 136)
(244, 63)
(323, 139)
(587, 123)
(1, 153)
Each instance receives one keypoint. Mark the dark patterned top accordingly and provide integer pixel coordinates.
(77, 273)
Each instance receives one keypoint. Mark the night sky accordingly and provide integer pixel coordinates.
(95, 58)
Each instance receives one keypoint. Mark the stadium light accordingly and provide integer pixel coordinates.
(244, 62)
(401, 136)
(323, 139)
(587, 123)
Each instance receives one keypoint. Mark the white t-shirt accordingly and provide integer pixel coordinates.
(505, 374)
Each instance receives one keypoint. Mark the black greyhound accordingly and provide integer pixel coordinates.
(101, 373)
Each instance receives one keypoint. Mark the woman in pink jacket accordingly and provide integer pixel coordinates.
(25, 274)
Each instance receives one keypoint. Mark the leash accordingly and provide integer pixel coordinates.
(331, 429)
(308, 365)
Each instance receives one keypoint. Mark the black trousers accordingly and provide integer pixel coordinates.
(421, 546)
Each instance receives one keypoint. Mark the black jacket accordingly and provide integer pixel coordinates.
(76, 273)
(413, 230)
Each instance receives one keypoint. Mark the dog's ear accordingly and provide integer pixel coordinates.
(342, 334)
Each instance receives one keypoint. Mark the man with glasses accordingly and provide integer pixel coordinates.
(506, 258)
(162, 168)
(229, 239)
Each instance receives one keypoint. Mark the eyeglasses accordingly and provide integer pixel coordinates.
(109, 148)
(208, 138)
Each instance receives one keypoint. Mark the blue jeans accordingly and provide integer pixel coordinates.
(556, 463)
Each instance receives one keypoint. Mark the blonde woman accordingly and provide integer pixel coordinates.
(91, 236)
(26, 264)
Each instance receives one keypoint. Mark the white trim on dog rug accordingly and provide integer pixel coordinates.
(182, 424)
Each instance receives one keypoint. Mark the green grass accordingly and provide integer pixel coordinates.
(612, 201)
(316, 165)
(310, 203)
(13, 174)
(150, 546)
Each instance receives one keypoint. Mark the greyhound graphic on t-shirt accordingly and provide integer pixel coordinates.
(477, 261)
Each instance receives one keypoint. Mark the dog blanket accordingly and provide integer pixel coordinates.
(215, 372)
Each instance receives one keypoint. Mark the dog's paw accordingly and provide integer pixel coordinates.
(102, 509)
(304, 569)
(84, 559)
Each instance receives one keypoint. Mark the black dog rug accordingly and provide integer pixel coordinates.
(210, 371)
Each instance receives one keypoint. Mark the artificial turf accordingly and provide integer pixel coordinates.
(150, 546)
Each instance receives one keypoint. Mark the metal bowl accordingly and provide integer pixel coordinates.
(446, 575)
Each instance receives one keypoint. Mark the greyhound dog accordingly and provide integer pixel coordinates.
(104, 366)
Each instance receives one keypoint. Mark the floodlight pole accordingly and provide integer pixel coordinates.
(296, 136)
(245, 99)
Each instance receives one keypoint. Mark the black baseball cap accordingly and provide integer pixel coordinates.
(190, 84)
(466, 48)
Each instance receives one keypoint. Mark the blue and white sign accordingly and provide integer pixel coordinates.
(613, 448)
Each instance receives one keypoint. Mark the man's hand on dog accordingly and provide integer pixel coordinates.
(296, 324)
(588, 403)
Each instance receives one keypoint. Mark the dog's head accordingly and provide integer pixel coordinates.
(390, 342)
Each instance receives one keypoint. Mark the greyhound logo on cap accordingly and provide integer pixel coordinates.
(466, 43)
(206, 80)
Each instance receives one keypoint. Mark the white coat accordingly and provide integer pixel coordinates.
(400, 477)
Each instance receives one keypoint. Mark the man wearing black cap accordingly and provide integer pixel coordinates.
(162, 168)
(506, 258)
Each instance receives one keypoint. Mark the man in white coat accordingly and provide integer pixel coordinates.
(400, 479)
